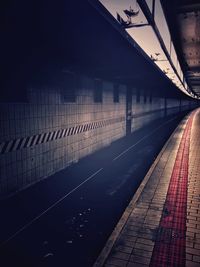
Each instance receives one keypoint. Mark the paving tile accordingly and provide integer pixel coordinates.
(190, 243)
(188, 256)
(193, 209)
(131, 233)
(136, 241)
(127, 243)
(141, 252)
(197, 246)
(127, 238)
(144, 247)
(120, 255)
(116, 262)
(134, 264)
(191, 264)
(145, 241)
(193, 251)
(196, 258)
(123, 249)
(140, 259)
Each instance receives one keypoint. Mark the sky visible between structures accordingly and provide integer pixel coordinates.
(145, 36)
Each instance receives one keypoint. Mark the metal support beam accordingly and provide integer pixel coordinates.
(150, 18)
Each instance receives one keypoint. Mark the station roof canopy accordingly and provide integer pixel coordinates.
(183, 17)
(80, 35)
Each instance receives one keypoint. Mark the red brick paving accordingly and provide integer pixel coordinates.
(170, 246)
(161, 225)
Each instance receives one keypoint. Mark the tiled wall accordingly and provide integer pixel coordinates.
(145, 112)
(47, 134)
(149, 109)
(185, 104)
(173, 106)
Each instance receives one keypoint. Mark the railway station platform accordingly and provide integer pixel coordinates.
(161, 225)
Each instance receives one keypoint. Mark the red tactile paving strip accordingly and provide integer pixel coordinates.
(170, 244)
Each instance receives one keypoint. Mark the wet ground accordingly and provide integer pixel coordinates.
(66, 219)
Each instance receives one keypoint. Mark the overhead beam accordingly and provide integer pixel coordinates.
(150, 18)
(188, 8)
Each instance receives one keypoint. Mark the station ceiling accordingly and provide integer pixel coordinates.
(42, 38)
(183, 17)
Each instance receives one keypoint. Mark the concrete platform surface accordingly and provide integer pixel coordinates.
(161, 225)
